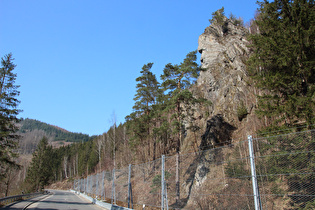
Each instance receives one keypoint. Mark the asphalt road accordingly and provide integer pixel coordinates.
(60, 200)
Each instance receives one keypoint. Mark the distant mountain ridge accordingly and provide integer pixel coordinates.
(32, 131)
(59, 134)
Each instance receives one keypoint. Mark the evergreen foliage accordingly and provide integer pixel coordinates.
(295, 159)
(177, 79)
(58, 133)
(8, 113)
(283, 60)
(218, 17)
(40, 171)
(140, 121)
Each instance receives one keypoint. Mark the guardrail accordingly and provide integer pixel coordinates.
(11, 199)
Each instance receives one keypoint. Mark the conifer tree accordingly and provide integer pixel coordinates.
(8, 113)
(177, 79)
(40, 171)
(140, 120)
(283, 60)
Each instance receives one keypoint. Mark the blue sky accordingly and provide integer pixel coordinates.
(77, 60)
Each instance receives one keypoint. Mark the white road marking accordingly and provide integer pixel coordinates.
(35, 204)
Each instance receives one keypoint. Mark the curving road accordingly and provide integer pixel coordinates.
(59, 200)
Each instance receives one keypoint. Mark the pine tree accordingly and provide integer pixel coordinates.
(8, 113)
(140, 121)
(283, 60)
(177, 79)
(218, 17)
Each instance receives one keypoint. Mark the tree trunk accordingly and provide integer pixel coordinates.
(177, 188)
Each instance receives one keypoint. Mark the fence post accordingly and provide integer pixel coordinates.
(162, 182)
(165, 190)
(84, 185)
(89, 185)
(253, 173)
(113, 189)
(103, 187)
(97, 185)
(129, 188)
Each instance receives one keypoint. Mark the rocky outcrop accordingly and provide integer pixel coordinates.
(231, 115)
(224, 50)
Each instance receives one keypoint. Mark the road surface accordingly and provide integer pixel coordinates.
(59, 200)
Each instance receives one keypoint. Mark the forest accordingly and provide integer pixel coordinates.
(59, 134)
(281, 64)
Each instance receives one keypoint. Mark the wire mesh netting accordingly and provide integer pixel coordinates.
(285, 167)
(211, 179)
(219, 178)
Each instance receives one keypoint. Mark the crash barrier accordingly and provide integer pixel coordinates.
(11, 199)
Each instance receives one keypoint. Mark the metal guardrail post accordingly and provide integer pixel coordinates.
(253, 173)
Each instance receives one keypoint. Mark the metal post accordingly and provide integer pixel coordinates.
(162, 182)
(103, 187)
(253, 172)
(88, 184)
(97, 187)
(113, 189)
(84, 185)
(166, 200)
(129, 188)
(91, 185)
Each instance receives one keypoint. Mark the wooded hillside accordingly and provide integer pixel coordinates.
(272, 82)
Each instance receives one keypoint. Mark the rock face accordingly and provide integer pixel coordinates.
(230, 117)
(225, 82)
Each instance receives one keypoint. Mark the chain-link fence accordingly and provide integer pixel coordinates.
(285, 167)
(274, 172)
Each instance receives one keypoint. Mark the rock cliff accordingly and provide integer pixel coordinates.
(231, 115)
(225, 82)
